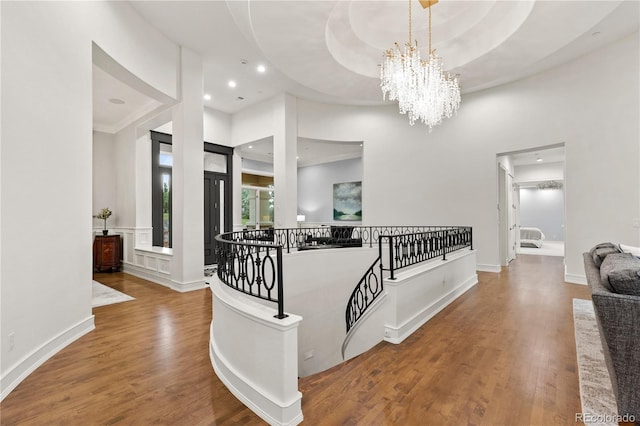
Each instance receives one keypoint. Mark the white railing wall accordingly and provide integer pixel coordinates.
(256, 355)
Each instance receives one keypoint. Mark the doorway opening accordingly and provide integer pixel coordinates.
(531, 203)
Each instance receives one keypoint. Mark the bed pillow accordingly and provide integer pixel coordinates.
(621, 273)
(630, 249)
(601, 251)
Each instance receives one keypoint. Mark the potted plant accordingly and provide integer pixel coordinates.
(104, 215)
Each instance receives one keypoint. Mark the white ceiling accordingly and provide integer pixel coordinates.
(310, 151)
(538, 156)
(329, 50)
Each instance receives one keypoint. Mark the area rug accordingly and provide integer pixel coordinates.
(598, 402)
(102, 295)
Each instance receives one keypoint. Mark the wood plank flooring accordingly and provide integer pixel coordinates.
(502, 354)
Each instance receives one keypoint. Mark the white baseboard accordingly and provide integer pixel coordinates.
(162, 279)
(575, 279)
(488, 268)
(397, 335)
(35, 359)
(189, 286)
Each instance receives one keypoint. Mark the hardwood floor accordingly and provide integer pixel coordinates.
(502, 354)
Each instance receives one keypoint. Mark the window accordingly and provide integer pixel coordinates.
(161, 166)
(257, 201)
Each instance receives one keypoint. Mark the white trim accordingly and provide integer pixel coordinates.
(575, 279)
(397, 334)
(16, 374)
(488, 268)
(147, 274)
(183, 287)
(162, 278)
(160, 251)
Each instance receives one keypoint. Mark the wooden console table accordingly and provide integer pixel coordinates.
(107, 250)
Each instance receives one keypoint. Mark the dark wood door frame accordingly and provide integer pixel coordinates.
(157, 138)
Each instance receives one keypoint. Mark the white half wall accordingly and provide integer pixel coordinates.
(260, 371)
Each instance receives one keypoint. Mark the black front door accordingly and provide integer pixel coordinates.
(215, 185)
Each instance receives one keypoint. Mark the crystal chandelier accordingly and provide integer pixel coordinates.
(424, 91)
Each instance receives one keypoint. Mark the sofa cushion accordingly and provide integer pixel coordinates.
(621, 273)
(601, 251)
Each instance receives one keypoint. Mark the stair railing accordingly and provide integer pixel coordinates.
(404, 250)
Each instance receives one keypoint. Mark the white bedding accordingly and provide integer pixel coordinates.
(531, 237)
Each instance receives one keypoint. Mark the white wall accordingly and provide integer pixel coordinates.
(217, 127)
(46, 132)
(448, 177)
(253, 123)
(104, 176)
(315, 187)
(544, 209)
(256, 166)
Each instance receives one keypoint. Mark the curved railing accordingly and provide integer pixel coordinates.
(251, 261)
(404, 250)
(253, 268)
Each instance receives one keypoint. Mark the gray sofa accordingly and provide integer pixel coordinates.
(618, 318)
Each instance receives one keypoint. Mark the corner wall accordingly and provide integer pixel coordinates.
(46, 132)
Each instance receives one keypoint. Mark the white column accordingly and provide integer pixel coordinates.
(187, 265)
(237, 192)
(143, 232)
(285, 167)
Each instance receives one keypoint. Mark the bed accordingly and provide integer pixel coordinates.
(531, 237)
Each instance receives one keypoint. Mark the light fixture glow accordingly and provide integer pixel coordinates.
(424, 91)
(539, 160)
(261, 68)
(232, 83)
(207, 97)
(250, 146)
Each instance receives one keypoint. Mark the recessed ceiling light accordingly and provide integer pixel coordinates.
(539, 160)
(207, 97)
(116, 101)
(250, 146)
(240, 98)
(360, 144)
(261, 68)
(297, 158)
(232, 83)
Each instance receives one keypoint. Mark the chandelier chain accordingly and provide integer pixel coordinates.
(423, 89)
(410, 36)
(430, 51)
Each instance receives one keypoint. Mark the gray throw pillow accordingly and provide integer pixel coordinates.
(601, 251)
(621, 273)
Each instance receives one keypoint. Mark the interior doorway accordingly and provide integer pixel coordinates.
(531, 203)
